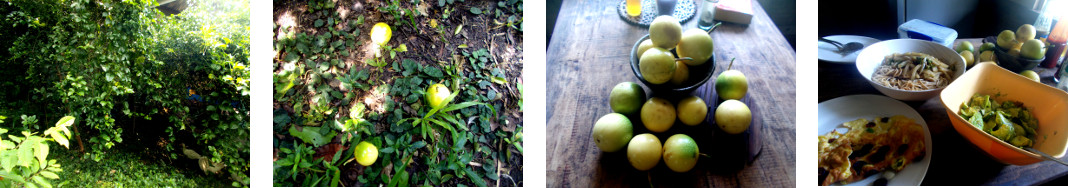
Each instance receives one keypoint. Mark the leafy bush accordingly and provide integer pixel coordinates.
(24, 160)
(117, 60)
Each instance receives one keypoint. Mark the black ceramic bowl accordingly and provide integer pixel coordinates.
(698, 74)
(1015, 63)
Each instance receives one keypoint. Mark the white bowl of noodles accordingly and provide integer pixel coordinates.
(909, 69)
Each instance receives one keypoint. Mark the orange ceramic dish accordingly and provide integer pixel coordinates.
(1049, 105)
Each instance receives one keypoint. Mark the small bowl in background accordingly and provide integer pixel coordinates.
(1049, 106)
(872, 56)
(699, 75)
(1015, 63)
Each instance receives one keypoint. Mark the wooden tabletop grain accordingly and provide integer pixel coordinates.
(955, 161)
(589, 54)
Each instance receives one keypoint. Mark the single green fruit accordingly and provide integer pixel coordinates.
(989, 46)
(965, 46)
(1007, 40)
(731, 84)
(682, 72)
(1030, 74)
(627, 98)
(695, 44)
(1033, 49)
(643, 152)
(436, 95)
(366, 153)
(656, 65)
(665, 32)
(1025, 32)
(658, 115)
(644, 46)
(987, 56)
(680, 153)
(612, 132)
(733, 116)
(969, 58)
(692, 110)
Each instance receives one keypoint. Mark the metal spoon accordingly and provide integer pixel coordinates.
(1044, 155)
(844, 48)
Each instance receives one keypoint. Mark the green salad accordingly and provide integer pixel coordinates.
(1008, 121)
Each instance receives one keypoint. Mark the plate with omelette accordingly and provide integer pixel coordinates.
(872, 140)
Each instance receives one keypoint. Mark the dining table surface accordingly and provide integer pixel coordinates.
(955, 161)
(589, 53)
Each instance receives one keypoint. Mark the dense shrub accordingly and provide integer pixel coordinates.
(102, 60)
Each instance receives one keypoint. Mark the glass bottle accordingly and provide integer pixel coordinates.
(707, 12)
(634, 8)
(1057, 39)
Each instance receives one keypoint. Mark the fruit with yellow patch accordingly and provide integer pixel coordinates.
(612, 131)
(644, 151)
(657, 65)
(658, 115)
(692, 110)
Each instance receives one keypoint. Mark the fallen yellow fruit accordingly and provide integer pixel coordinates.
(381, 33)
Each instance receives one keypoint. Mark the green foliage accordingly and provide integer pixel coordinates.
(24, 159)
(130, 167)
(107, 61)
(325, 106)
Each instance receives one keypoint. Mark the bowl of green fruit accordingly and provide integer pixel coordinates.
(672, 61)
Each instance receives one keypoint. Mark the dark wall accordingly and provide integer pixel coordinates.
(553, 8)
(784, 14)
(878, 19)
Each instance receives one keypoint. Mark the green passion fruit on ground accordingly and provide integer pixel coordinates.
(658, 115)
(366, 153)
(612, 132)
(627, 98)
(692, 110)
(436, 95)
(680, 153)
(682, 72)
(731, 84)
(643, 152)
(733, 116)
(657, 65)
(665, 32)
(695, 44)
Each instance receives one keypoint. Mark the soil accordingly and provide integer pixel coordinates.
(426, 45)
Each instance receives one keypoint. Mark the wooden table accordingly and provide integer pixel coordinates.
(589, 54)
(955, 160)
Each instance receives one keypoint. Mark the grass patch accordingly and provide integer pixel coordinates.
(126, 168)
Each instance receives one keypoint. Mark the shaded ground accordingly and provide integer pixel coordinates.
(441, 46)
(127, 168)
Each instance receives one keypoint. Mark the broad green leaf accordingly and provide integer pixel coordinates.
(41, 152)
(461, 106)
(310, 135)
(474, 10)
(475, 178)
(49, 175)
